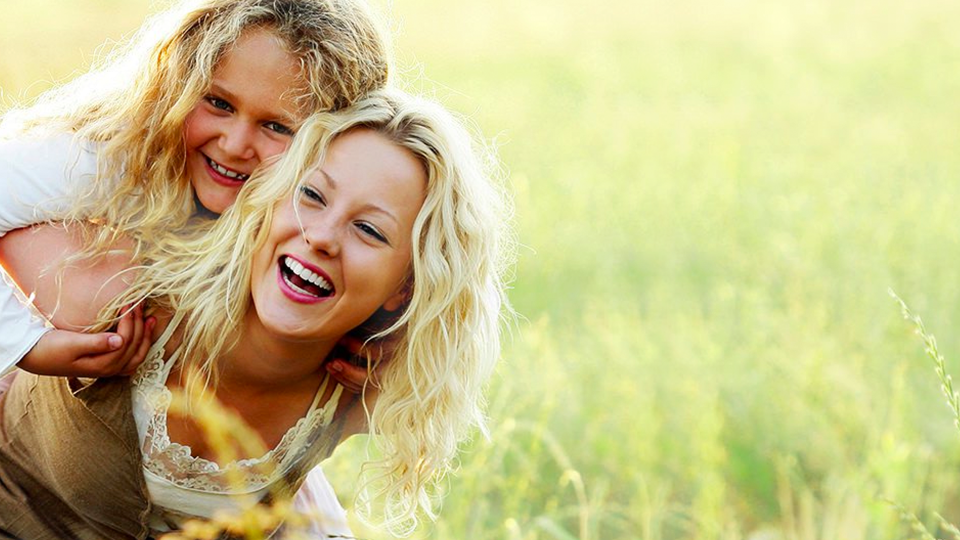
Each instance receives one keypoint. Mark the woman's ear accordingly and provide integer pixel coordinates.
(399, 299)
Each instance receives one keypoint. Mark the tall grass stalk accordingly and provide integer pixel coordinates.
(930, 347)
(911, 519)
(953, 402)
(949, 527)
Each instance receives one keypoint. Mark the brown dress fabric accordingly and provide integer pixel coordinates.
(70, 464)
(70, 461)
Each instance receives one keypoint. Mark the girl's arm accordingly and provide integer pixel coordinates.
(71, 293)
(37, 178)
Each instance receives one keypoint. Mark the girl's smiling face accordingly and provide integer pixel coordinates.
(353, 254)
(248, 115)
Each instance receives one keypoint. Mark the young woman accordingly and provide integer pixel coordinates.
(166, 130)
(379, 220)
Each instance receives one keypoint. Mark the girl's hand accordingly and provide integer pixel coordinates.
(75, 354)
(351, 376)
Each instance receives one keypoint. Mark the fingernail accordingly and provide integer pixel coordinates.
(336, 366)
(115, 342)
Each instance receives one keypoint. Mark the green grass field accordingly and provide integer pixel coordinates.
(713, 199)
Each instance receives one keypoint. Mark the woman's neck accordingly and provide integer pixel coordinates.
(262, 360)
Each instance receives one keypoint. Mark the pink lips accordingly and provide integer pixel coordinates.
(219, 178)
(295, 295)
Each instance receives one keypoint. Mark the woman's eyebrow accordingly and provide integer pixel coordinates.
(368, 207)
(331, 181)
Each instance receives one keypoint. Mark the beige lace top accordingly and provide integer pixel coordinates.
(182, 485)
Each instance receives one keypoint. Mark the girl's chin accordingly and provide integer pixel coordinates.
(214, 200)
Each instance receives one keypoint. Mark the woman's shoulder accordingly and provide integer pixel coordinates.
(166, 330)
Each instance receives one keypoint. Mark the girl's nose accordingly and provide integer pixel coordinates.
(237, 141)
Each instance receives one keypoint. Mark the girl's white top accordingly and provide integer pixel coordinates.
(182, 486)
(39, 179)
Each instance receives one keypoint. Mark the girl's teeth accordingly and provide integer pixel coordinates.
(226, 172)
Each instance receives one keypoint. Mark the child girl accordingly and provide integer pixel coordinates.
(168, 131)
(381, 209)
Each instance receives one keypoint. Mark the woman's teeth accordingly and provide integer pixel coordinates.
(226, 172)
(308, 276)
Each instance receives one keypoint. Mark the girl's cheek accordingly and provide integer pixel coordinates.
(281, 148)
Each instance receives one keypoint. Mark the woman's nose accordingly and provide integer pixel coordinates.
(322, 235)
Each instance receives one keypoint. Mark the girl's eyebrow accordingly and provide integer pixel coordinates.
(217, 89)
(283, 117)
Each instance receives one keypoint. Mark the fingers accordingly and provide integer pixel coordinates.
(75, 354)
(57, 351)
(133, 339)
(144, 347)
(348, 362)
(133, 333)
(351, 377)
(358, 352)
(109, 364)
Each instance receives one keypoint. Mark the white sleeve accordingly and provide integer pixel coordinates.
(317, 499)
(37, 179)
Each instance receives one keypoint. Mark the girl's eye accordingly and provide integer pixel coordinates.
(312, 194)
(218, 103)
(372, 232)
(279, 128)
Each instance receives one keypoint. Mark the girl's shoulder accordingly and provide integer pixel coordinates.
(48, 161)
(45, 143)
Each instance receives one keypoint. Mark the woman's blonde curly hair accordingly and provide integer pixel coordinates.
(449, 332)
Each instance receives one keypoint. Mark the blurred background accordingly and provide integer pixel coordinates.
(713, 199)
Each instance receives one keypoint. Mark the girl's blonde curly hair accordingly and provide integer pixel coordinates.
(133, 106)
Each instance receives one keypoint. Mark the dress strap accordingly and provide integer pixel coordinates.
(161, 342)
(168, 331)
(316, 442)
(331, 406)
(319, 394)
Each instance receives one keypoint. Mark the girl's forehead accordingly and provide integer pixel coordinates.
(259, 72)
(263, 45)
(260, 45)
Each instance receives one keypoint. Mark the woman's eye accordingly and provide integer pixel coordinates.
(311, 194)
(372, 231)
(218, 103)
(279, 128)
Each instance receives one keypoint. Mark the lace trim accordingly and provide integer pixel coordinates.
(176, 463)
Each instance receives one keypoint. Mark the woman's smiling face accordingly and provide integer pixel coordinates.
(353, 254)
